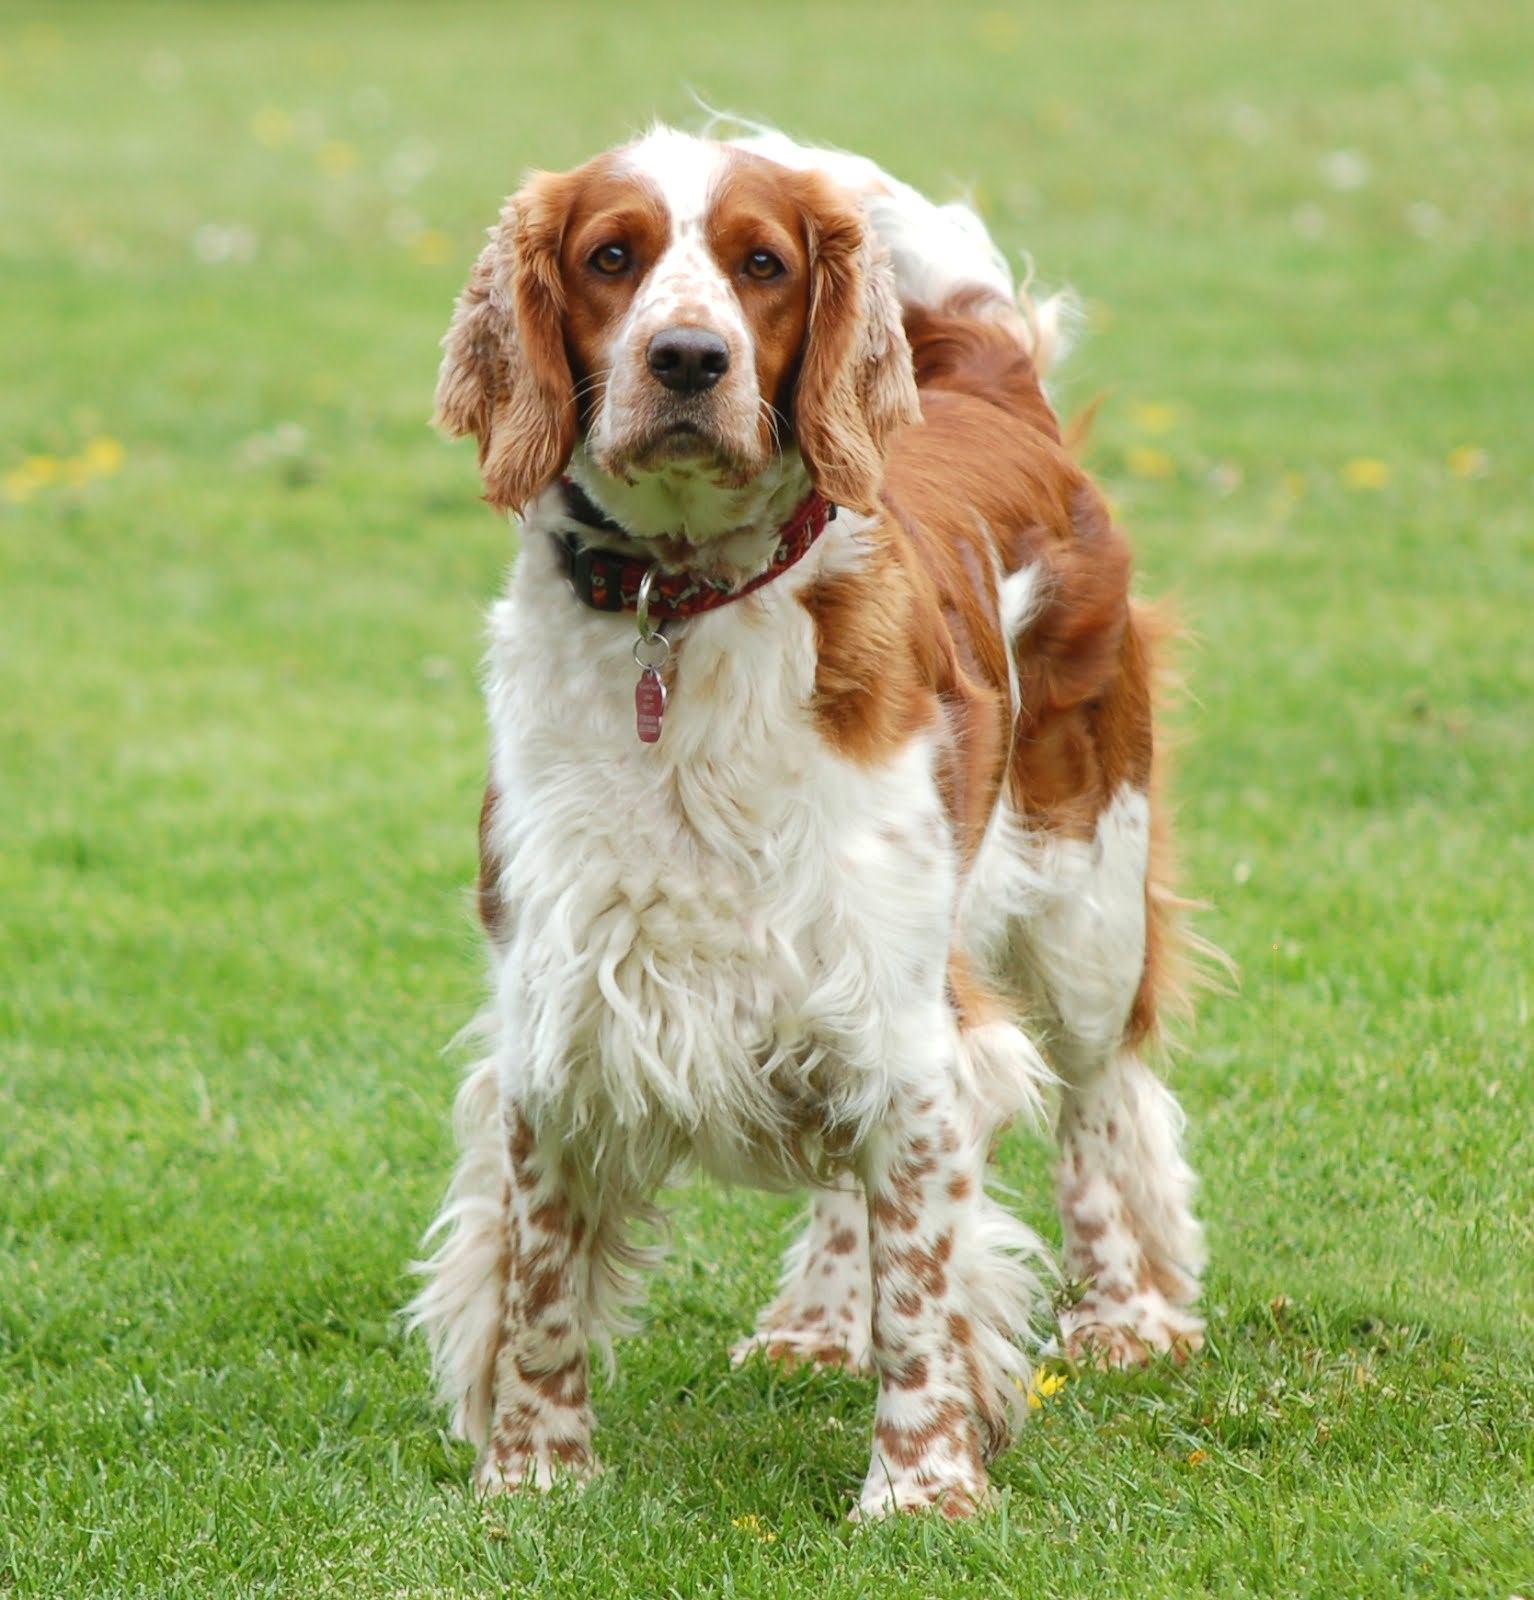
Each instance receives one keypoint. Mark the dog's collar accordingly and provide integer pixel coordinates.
(606, 580)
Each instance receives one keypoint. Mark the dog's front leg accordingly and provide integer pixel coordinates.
(540, 1421)
(952, 1293)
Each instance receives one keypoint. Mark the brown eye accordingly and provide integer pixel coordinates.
(762, 265)
(610, 260)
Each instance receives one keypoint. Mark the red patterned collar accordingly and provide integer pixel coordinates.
(605, 580)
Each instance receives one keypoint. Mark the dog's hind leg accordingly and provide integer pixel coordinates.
(1130, 1235)
(1124, 1189)
(821, 1312)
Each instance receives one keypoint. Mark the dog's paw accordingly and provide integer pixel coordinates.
(886, 1496)
(1105, 1334)
(512, 1471)
(802, 1347)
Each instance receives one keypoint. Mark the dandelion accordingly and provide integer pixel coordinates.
(408, 165)
(1345, 169)
(1468, 461)
(1145, 461)
(1041, 1386)
(1366, 472)
(99, 458)
(36, 472)
(1424, 219)
(431, 247)
(102, 456)
(999, 30)
(1154, 417)
(217, 242)
(18, 486)
(335, 158)
(1196, 1458)
(752, 1524)
(271, 126)
(1248, 124)
(1224, 477)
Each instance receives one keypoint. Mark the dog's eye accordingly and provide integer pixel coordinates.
(610, 260)
(762, 265)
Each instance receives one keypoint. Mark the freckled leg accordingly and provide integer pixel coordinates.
(951, 1295)
(1130, 1235)
(541, 1418)
(821, 1311)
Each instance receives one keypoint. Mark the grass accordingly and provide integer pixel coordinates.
(240, 745)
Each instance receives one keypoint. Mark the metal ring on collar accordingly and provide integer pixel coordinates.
(642, 601)
(652, 651)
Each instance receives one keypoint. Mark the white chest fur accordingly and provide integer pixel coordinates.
(725, 935)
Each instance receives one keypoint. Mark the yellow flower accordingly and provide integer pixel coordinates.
(1468, 461)
(999, 30)
(1196, 1458)
(1366, 472)
(752, 1524)
(335, 158)
(431, 247)
(1145, 461)
(1154, 417)
(271, 126)
(1042, 1385)
(102, 456)
(35, 473)
(1294, 484)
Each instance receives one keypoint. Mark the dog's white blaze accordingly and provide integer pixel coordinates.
(685, 286)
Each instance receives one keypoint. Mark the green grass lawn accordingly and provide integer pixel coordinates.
(241, 744)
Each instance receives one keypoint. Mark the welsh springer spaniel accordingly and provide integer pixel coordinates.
(821, 801)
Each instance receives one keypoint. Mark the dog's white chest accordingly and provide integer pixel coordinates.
(719, 933)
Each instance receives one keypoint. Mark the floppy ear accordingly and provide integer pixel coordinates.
(856, 384)
(505, 377)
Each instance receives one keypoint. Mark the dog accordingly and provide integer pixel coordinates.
(822, 834)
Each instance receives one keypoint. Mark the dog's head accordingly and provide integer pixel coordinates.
(678, 306)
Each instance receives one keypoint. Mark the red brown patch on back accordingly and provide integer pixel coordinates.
(986, 489)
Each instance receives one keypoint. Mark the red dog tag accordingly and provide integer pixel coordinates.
(649, 705)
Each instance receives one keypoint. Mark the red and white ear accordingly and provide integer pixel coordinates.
(856, 383)
(505, 377)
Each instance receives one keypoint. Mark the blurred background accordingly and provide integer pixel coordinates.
(241, 585)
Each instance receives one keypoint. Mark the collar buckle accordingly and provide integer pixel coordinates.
(588, 577)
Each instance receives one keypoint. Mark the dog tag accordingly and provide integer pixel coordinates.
(649, 705)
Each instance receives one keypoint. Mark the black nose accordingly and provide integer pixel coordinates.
(688, 360)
